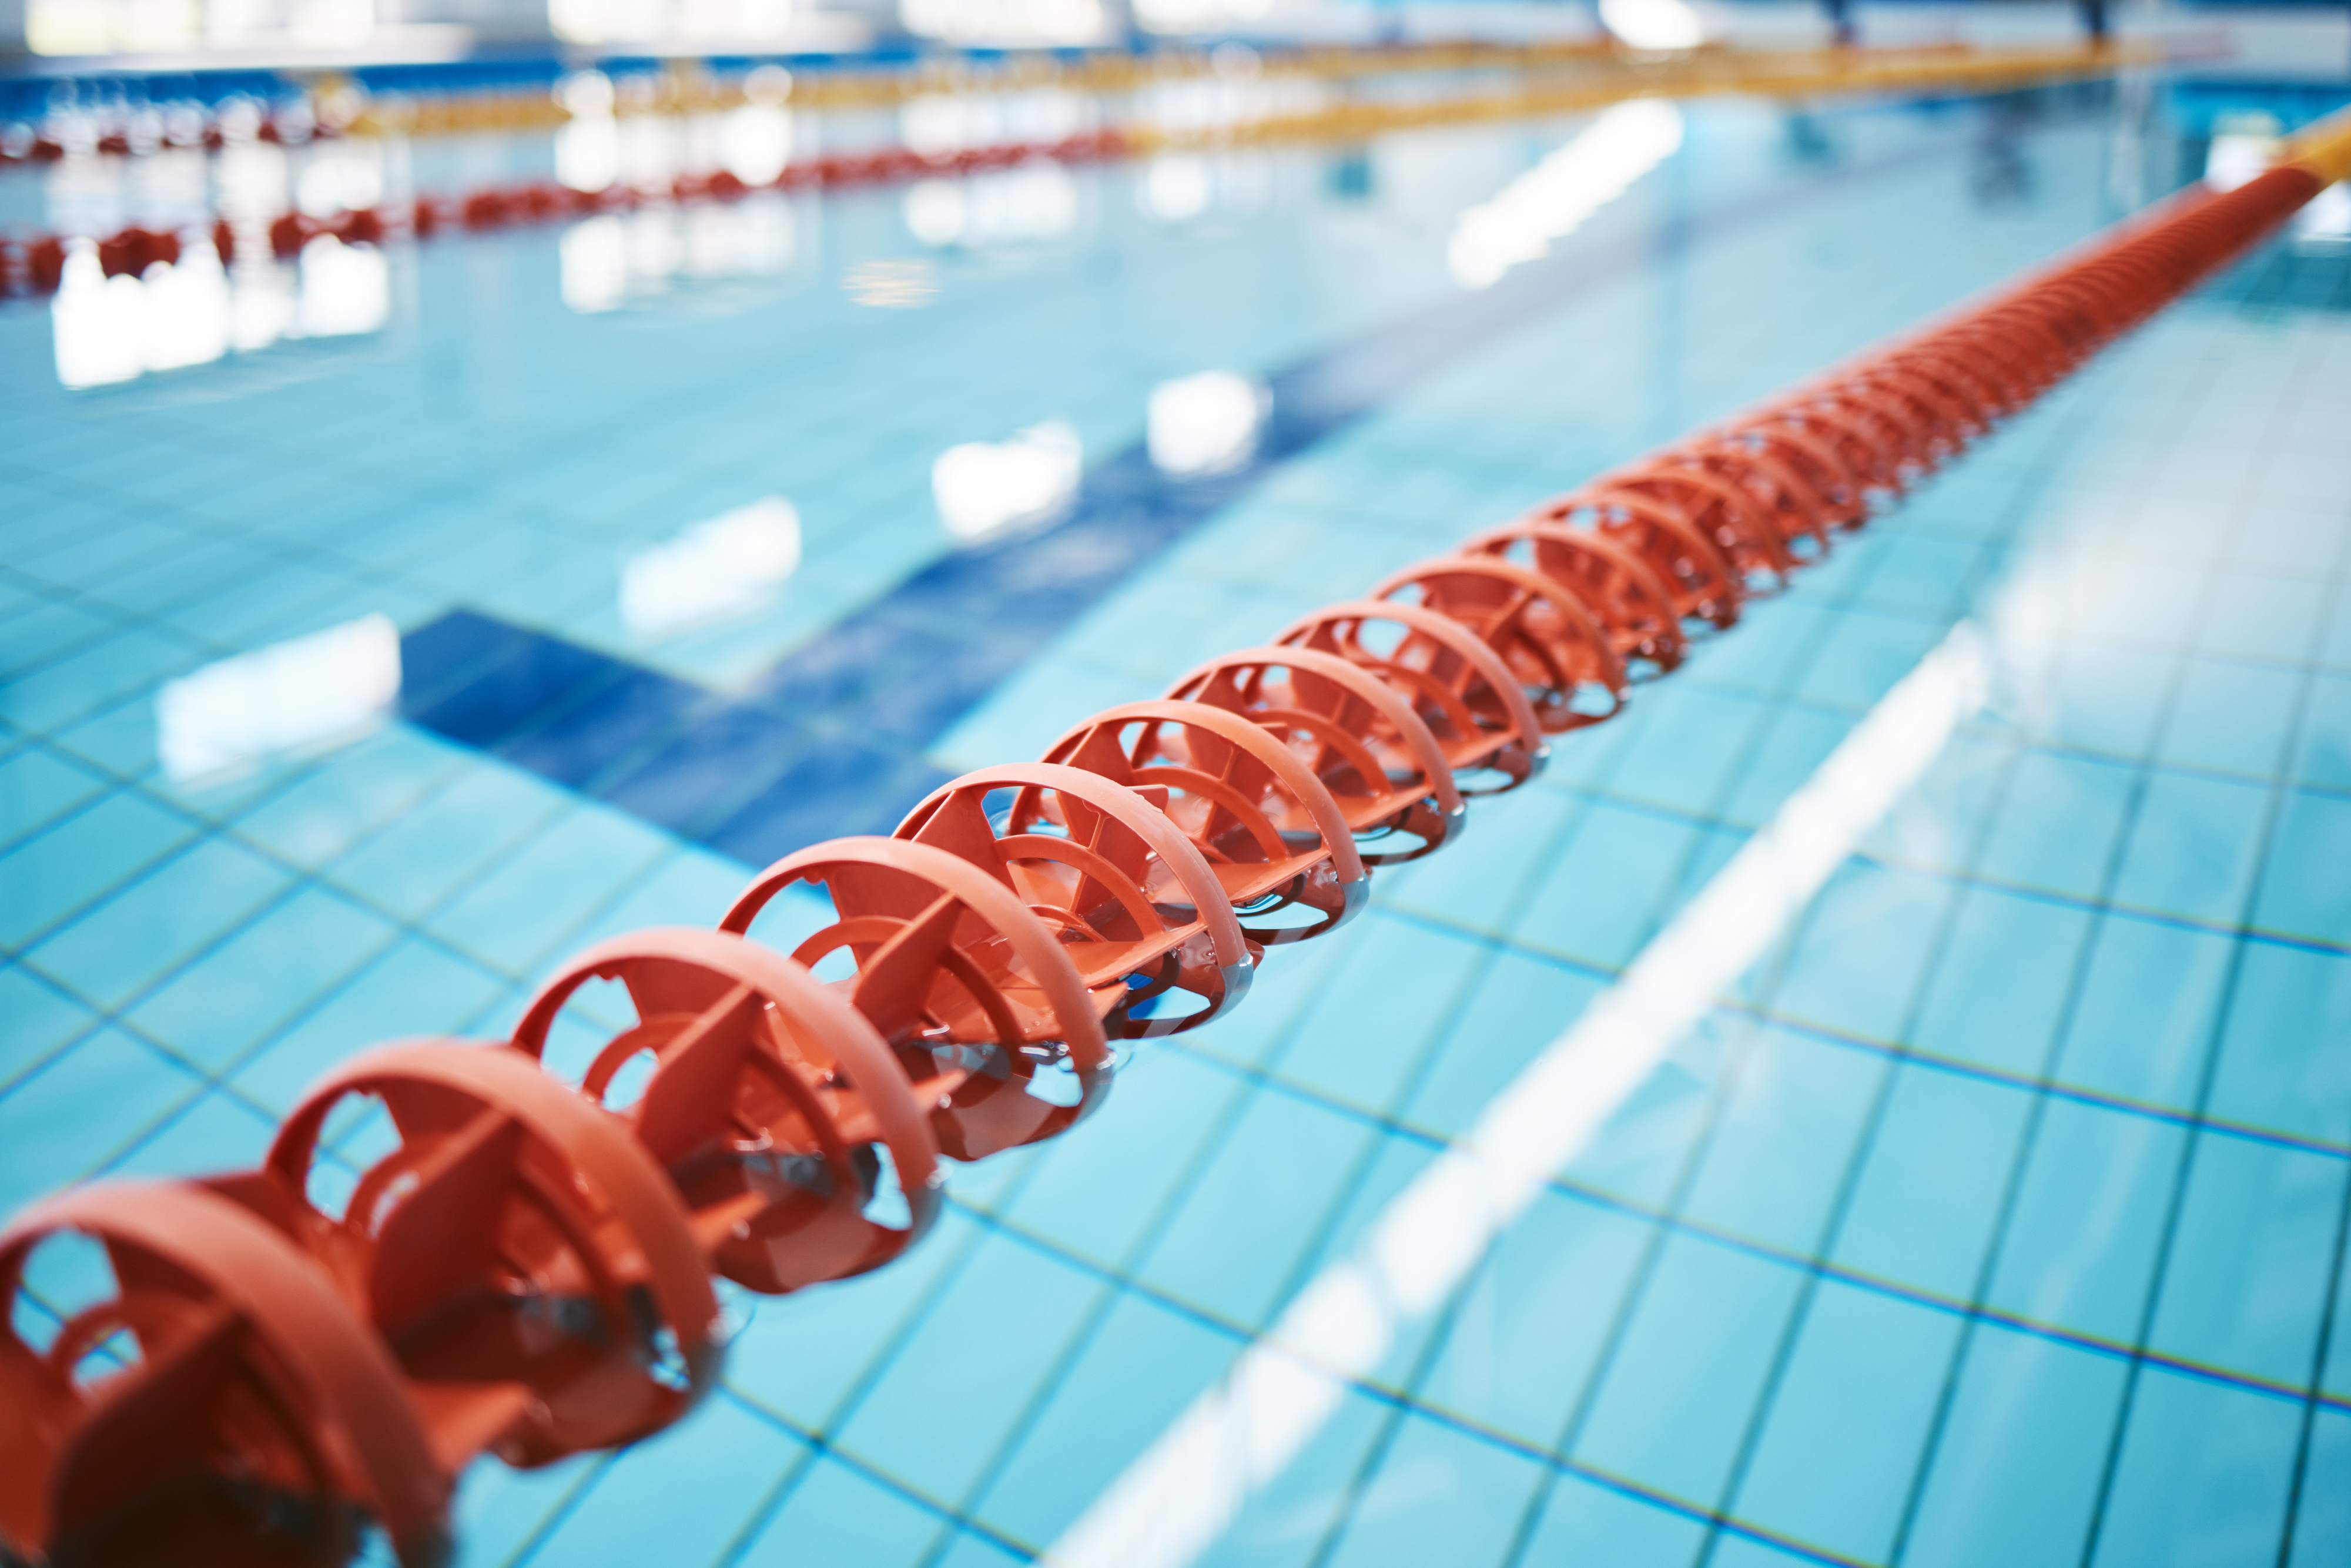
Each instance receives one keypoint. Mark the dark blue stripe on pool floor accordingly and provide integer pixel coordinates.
(831, 739)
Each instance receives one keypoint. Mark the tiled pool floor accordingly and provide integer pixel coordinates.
(1999, 1219)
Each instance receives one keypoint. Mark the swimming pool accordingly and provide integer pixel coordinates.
(1999, 1217)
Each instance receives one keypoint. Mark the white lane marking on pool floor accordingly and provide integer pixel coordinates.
(1178, 1496)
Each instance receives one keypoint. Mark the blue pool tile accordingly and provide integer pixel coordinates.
(78, 859)
(1520, 1005)
(856, 1321)
(1866, 945)
(1642, 1153)
(484, 682)
(684, 885)
(969, 1549)
(1095, 1194)
(1282, 1525)
(1395, 1164)
(2005, 977)
(1936, 825)
(119, 736)
(1833, 1463)
(1691, 1361)
(2323, 756)
(597, 733)
(2322, 1524)
(90, 555)
(2057, 826)
(1525, 1339)
(2194, 848)
(726, 1456)
(836, 1514)
(1926, 1199)
(150, 927)
(81, 1109)
(2090, 1218)
(1134, 1379)
(722, 760)
(37, 786)
(1781, 1147)
(2246, 1284)
(2202, 1475)
(2105, 696)
(941, 1380)
(1865, 654)
(34, 637)
(1439, 1495)
(1226, 1250)
(1925, 577)
(219, 1132)
(36, 1017)
(423, 858)
(497, 1510)
(2285, 998)
(1794, 747)
(2016, 1472)
(2143, 1027)
(1375, 1026)
(2263, 614)
(354, 793)
(1691, 745)
(2232, 717)
(418, 988)
(845, 788)
(271, 968)
(2301, 893)
(543, 894)
(1586, 1522)
(58, 693)
(1475, 894)
(1605, 887)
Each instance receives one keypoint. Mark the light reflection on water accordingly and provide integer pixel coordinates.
(194, 311)
(293, 697)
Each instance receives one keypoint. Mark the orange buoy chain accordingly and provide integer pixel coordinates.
(515, 1261)
(35, 265)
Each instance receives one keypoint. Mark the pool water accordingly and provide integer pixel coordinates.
(1999, 1217)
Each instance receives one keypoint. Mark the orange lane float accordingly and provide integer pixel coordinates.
(35, 265)
(458, 1248)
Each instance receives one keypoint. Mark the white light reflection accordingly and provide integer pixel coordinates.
(1654, 24)
(1027, 205)
(331, 685)
(755, 143)
(1552, 199)
(983, 487)
(1179, 1497)
(346, 289)
(1174, 187)
(194, 311)
(2244, 148)
(1206, 424)
(608, 259)
(1003, 22)
(110, 330)
(1198, 15)
(2326, 222)
(341, 176)
(98, 322)
(2233, 160)
(729, 566)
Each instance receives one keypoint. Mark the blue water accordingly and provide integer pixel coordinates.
(1999, 1218)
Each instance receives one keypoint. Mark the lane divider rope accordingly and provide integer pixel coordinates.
(511, 1262)
(35, 264)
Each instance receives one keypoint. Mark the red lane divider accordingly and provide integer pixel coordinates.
(35, 265)
(516, 1259)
